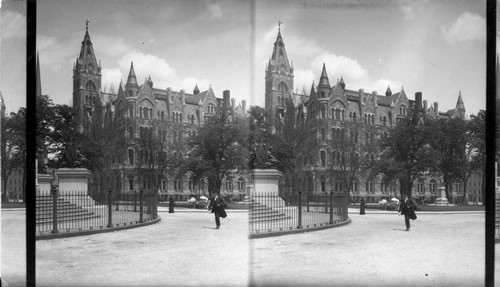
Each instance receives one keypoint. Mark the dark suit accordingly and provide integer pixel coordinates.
(217, 207)
(406, 208)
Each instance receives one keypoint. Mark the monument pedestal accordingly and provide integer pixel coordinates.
(442, 201)
(73, 185)
(265, 187)
(44, 182)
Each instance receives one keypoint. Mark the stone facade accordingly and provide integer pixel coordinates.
(170, 114)
(365, 116)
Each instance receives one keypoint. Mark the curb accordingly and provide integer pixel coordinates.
(13, 209)
(296, 231)
(188, 210)
(423, 212)
(95, 231)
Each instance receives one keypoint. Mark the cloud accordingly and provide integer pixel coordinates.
(467, 27)
(12, 24)
(215, 10)
(408, 12)
(341, 66)
(109, 45)
(43, 42)
(188, 84)
(380, 86)
(161, 72)
(111, 78)
(303, 80)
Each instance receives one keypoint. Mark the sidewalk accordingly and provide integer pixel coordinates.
(374, 250)
(14, 247)
(378, 211)
(183, 249)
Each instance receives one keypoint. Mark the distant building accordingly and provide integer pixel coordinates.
(147, 109)
(15, 185)
(368, 116)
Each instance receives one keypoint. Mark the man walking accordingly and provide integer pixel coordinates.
(216, 207)
(407, 208)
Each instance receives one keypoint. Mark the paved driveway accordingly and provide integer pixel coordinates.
(374, 250)
(184, 249)
(14, 247)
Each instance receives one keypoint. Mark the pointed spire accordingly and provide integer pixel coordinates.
(132, 79)
(460, 102)
(38, 78)
(388, 92)
(342, 83)
(196, 90)
(87, 56)
(323, 81)
(150, 82)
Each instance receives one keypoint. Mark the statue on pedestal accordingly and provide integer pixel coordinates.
(262, 158)
(73, 157)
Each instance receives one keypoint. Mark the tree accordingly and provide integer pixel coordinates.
(295, 143)
(406, 153)
(450, 142)
(346, 160)
(103, 142)
(218, 149)
(475, 153)
(13, 146)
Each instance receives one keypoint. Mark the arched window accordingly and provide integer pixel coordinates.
(90, 86)
(282, 87)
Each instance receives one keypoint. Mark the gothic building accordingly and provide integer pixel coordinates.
(364, 116)
(148, 109)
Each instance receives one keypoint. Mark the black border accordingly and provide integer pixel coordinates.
(30, 142)
(489, 278)
(491, 94)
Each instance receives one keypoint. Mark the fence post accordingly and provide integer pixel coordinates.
(135, 200)
(110, 209)
(54, 190)
(307, 198)
(117, 200)
(331, 207)
(299, 226)
(326, 202)
(141, 206)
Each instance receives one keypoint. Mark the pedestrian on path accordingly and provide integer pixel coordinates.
(407, 208)
(217, 207)
(171, 205)
(362, 206)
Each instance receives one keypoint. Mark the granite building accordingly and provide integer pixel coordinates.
(338, 110)
(164, 112)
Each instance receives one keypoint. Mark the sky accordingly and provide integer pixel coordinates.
(13, 54)
(435, 47)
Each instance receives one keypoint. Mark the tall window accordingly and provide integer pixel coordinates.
(241, 184)
(322, 155)
(131, 156)
(323, 134)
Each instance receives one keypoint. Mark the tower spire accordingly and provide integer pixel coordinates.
(323, 81)
(132, 79)
(38, 81)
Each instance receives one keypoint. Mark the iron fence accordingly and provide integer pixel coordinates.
(272, 212)
(497, 218)
(71, 211)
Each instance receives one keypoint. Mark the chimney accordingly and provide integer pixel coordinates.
(418, 100)
(226, 98)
